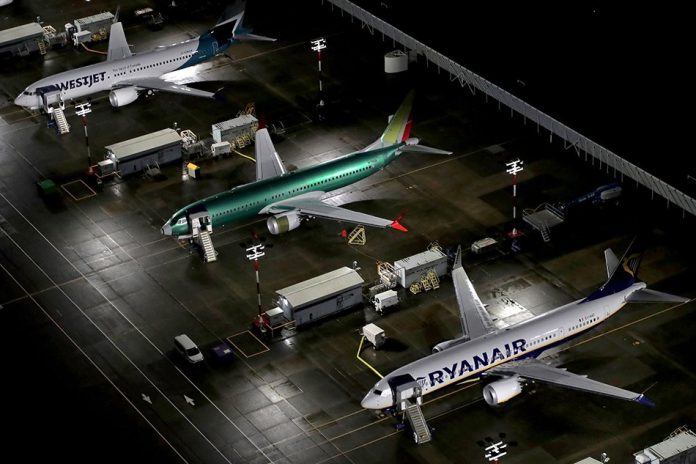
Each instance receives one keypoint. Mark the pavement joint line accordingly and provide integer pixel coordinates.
(94, 364)
(137, 330)
(229, 339)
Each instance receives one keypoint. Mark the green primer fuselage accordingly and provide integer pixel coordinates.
(246, 201)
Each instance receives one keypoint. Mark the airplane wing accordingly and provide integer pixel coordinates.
(476, 321)
(534, 369)
(155, 83)
(311, 205)
(118, 46)
(268, 163)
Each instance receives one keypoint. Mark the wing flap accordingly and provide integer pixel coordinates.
(475, 320)
(268, 163)
(536, 370)
(310, 204)
(155, 83)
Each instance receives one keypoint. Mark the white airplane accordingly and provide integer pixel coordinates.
(510, 354)
(126, 75)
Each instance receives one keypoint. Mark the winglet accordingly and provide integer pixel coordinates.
(397, 225)
(644, 400)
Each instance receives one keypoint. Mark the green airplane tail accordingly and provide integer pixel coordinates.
(399, 127)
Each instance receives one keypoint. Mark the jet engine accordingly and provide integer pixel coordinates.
(500, 391)
(442, 346)
(281, 223)
(122, 96)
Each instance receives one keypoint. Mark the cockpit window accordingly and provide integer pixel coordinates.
(181, 221)
(377, 392)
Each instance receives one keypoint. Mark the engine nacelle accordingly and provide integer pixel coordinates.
(442, 346)
(281, 223)
(500, 391)
(123, 96)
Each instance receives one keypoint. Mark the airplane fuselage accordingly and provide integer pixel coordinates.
(104, 76)
(249, 200)
(526, 339)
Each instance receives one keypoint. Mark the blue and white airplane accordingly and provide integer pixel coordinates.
(127, 75)
(510, 354)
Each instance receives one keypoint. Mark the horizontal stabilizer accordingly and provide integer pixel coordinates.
(645, 401)
(423, 149)
(646, 295)
(247, 36)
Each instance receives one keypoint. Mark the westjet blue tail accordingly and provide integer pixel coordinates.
(230, 27)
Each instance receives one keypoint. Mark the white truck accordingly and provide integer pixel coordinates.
(384, 300)
(374, 335)
(485, 244)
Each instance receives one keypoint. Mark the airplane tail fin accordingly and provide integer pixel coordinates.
(230, 25)
(624, 273)
(399, 128)
(118, 45)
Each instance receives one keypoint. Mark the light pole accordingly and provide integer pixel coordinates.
(83, 109)
(514, 167)
(254, 251)
(318, 45)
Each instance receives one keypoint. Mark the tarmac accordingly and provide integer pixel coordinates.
(91, 294)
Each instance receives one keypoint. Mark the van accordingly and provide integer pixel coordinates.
(187, 348)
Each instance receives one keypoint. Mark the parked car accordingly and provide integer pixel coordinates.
(187, 348)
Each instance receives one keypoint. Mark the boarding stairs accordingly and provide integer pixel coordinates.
(420, 428)
(60, 120)
(408, 398)
(201, 228)
(209, 253)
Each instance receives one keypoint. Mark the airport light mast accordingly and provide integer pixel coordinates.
(514, 167)
(83, 109)
(254, 251)
(318, 45)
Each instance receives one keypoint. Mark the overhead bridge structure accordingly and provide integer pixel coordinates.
(582, 145)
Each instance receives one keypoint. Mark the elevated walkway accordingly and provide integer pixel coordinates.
(466, 78)
(543, 218)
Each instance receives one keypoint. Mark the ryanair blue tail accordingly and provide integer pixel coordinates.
(623, 273)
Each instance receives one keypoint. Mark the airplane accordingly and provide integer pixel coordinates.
(291, 197)
(513, 354)
(126, 75)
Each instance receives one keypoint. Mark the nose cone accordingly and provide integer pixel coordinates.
(166, 229)
(373, 401)
(20, 100)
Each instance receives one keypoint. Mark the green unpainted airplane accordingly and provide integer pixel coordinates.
(290, 197)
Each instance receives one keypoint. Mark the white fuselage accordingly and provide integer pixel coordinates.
(99, 77)
(525, 339)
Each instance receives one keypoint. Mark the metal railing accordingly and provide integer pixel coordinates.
(471, 80)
